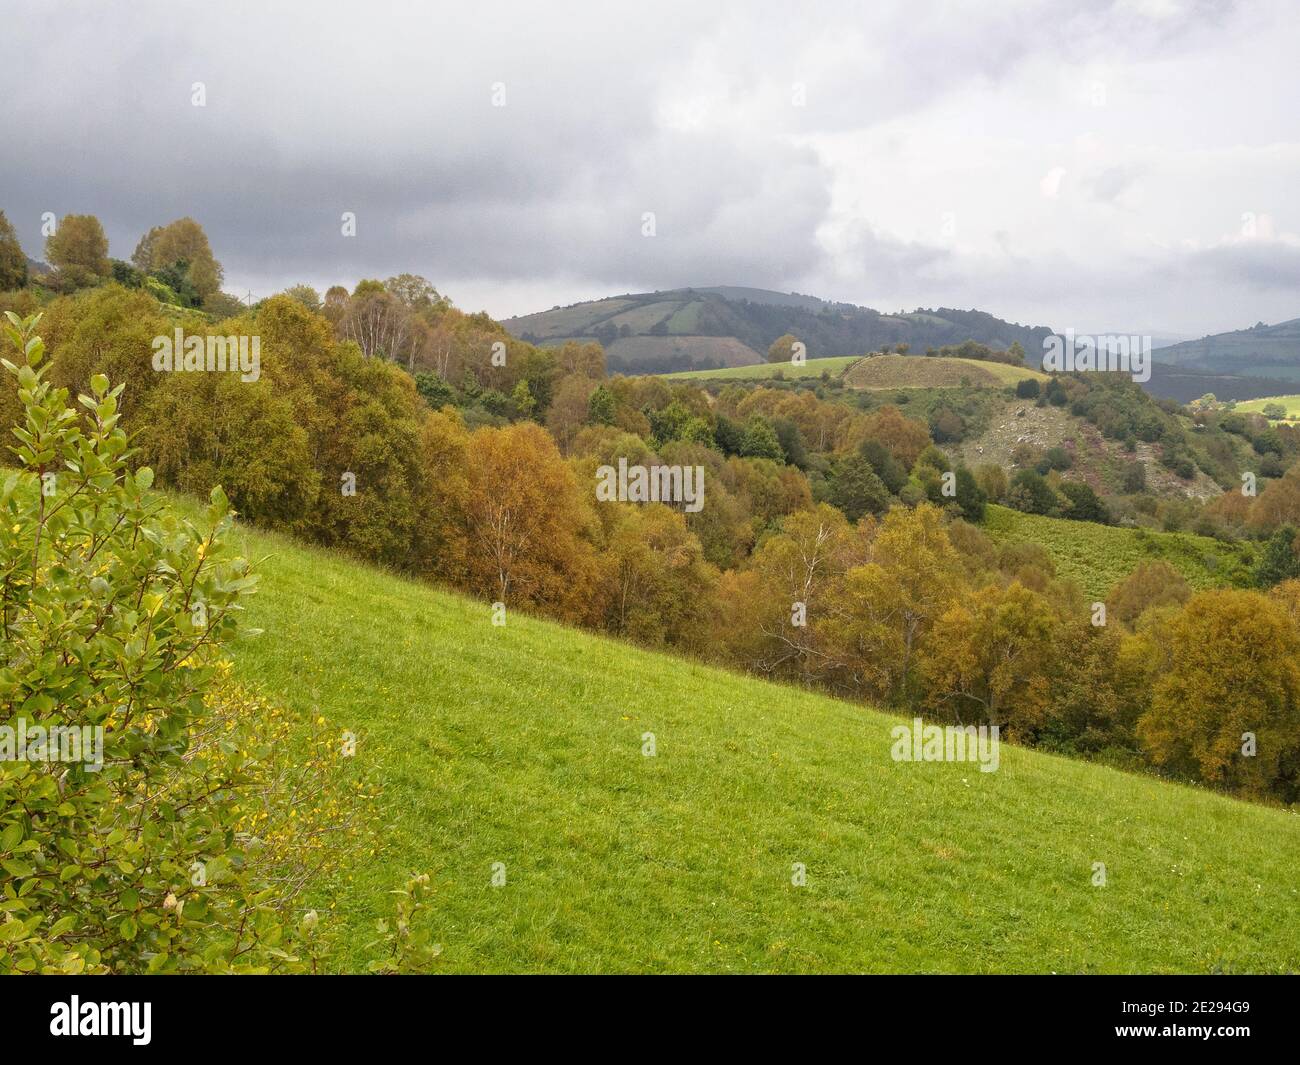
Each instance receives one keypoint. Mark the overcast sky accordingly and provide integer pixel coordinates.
(1103, 166)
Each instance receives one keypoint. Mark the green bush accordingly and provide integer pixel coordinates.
(436, 392)
(114, 615)
(855, 489)
(1031, 494)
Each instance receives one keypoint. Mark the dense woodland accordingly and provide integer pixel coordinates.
(474, 454)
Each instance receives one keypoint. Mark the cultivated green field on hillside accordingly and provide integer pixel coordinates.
(571, 321)
(762, 371)
(1095, 557)
(627, 351)
(916, 371)
(523, 745)
(1256, 406)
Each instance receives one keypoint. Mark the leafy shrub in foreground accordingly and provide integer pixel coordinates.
(142, 856)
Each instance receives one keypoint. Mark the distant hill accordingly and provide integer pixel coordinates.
(1185, 385)
(1243, 364)
(709, 328)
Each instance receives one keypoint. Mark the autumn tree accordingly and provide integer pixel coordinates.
(181, 247)
(440, 542)
(782, 348)
(570, 409)
(1152, 584)
(13, 260)
(766, 490)
(658, 584)
(723, 525)
(381, 325)
(521, 398)
(968, 498)
(988, 659)
(1278, 504)
(525, 523)
(202, 429)
(374, 483)
(1227, 708)
(142, 257)
(414, 292)
(794, 573)
(106, 330)
(1092, 709)
(1081, 503)
(306, 295)
(335, 304)
(992, 481)
(904, 438)
(587, 359)
(887, 606)
(78, 248)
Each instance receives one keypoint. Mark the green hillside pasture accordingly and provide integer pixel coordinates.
(640, 318)
(835, 366)
(918, 371)
(1256, 406)
(523, 745)
(578, 320)
(686, 319)
(1095, 557)
(629, 349)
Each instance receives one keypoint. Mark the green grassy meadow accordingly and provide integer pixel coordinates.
(835, 366)
(1256, 406)
(878, 371)
(523, 744)
(916, 371)
(1095, 557)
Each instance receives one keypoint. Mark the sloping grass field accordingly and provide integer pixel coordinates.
(917, 371)
(1095, 556)
(835, 366)
(733, 353)
(523, 745)
(1256, 406)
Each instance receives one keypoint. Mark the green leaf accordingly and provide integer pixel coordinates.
(63, 924)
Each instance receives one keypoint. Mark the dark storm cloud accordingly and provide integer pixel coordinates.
(394, 121)
(319, 109)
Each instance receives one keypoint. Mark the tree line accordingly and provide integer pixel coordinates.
(838, 547)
